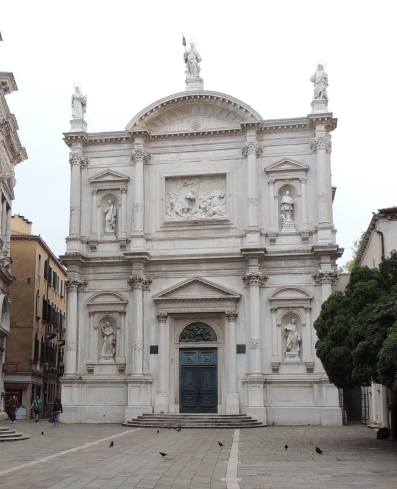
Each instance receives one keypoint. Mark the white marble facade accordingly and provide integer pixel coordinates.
(197, 182)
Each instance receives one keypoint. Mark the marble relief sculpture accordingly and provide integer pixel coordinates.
(194, 198)
(110, 217)
(287, 209)
(109, 341)
(320, 80)
(293, 337)
(192, 59)
(79, 103)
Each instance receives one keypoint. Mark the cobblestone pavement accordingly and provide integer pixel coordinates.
(78, 456)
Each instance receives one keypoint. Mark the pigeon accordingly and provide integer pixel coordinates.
(319, 451)
(220, 444)
(42, 432)
(111, 444)
(178, 429)
(158, 431)
(163, 454)
(286, 447)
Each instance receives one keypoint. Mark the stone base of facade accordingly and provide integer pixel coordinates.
(327, 416)
(161, 403)
(93, 414)
(259, 413)
(232, 403)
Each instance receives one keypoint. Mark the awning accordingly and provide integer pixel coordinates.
(15, 386)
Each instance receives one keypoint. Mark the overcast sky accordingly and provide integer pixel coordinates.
(128, 54)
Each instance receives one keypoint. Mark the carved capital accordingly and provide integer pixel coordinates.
(70, 345)
(326, 276)
(255, 343)
(94, 191)
(91, 314)
(139, 281)
(123, 190)
(254, 278)
(161, 317)
(78, 159)
(231, 316)
(273, 310)
(72, 284)
(140, 154)
(321, 143)
(252, 148)
(137, 344)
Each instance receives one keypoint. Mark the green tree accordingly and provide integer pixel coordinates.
(357, 328)
(350, 264)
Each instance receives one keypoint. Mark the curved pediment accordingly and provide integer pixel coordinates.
(193, 112)
(106, 301)
(290, 294)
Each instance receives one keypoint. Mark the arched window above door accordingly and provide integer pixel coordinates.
(197, 332)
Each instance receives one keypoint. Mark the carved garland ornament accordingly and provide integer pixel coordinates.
(255, 343)
(326, 277)
(137, 344)
(323, 197)
(253, 201)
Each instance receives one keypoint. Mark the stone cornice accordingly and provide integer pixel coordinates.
(75, 137)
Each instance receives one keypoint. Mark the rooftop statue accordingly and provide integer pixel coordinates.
(192, 59)
(79, 103)
(320, 80)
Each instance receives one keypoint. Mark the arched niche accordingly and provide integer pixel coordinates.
(197, 332)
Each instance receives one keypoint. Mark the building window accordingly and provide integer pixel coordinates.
(61, 288)
(36, 349)
(39, 265)
(38, 303)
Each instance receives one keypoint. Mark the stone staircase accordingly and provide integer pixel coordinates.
(7, 434)
(193, 420)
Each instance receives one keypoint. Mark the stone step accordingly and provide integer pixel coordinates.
(6, 434)
(195, 420)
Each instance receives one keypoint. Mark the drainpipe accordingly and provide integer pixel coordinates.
(382, 239)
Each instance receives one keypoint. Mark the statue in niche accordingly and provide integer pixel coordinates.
(109, 340)
(293, 337)
(192, 59)
(320, 80)
(110, 217)
(287, 209)
(79, 103)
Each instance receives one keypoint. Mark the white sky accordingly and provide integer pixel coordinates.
(128, 54)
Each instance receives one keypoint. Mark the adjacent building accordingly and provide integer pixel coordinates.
(11, 153)
(200, 250)
(35, 349)
(379, 240)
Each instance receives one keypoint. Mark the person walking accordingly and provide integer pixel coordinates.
(14, 405)
(56, 411)
(37, 405)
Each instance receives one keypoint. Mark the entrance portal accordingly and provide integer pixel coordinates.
(198, 374)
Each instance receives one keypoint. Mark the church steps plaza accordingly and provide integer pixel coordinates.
(201, 247)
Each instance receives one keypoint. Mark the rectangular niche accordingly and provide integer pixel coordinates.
(196, 198)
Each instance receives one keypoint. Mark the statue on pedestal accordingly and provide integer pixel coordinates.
(79, 103)
(192, 59)
(287, 209)
(109, 341)
(320, 80)
(110, 217)
(293, 337)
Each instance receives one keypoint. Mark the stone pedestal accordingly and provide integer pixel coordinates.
(78, 125)
(255, 407)
(292, 356)
(319, 106)
(288, 227)
(161, 403)
(106, 358)
(139, 397)
(232, 403)
(194, 84)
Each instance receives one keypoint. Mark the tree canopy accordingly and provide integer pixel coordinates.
(357, 328)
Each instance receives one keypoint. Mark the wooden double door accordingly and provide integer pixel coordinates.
(198, 378)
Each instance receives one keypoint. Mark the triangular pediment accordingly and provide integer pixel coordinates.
(286, 164)
(196, 289)
(193, 112)
(109, 176)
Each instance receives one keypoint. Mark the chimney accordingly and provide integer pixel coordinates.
(21, 224)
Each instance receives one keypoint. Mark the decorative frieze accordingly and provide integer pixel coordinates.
(326, 276)
(254, 278)
(252, 148)
(255, 343)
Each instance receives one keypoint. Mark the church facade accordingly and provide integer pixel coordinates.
(200, 250)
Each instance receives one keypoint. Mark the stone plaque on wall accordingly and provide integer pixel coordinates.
(200, 197)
